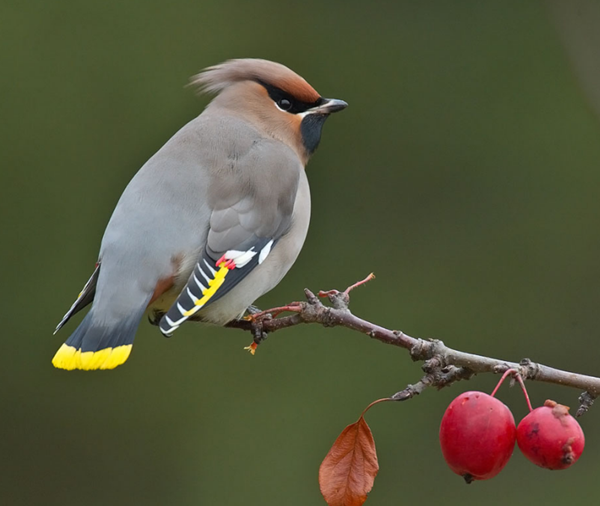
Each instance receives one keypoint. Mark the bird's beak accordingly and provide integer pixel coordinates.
(328, 106)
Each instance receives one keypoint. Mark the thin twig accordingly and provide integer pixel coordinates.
(443, 365)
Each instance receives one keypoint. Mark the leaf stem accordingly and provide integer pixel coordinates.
(373, 404)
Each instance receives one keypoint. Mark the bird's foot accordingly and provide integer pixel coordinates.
(155, 317)
(257, 317)
(251, 310)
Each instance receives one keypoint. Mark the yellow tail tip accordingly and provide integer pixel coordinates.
(69, 358)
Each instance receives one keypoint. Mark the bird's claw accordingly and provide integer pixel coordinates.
(155, 317)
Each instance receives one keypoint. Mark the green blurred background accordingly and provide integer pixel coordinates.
(465, 174)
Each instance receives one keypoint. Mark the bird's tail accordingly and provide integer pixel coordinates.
(97, 344)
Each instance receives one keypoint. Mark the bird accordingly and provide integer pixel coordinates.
(212, 221)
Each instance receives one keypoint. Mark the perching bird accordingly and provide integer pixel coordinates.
(212, 221)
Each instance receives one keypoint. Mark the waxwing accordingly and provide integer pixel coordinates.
(212, 221)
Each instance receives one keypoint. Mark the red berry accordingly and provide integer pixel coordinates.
(550, 437)
(477, 435)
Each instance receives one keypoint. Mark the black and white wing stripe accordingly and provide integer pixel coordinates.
(211, 280)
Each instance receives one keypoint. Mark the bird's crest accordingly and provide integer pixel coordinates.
(217, 78)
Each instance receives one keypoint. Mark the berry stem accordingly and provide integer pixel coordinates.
(509, 371)
(522, 383)
(518, 377)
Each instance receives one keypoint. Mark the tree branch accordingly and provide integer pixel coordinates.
(442, 365)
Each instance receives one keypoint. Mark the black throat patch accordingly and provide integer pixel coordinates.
(310, 128)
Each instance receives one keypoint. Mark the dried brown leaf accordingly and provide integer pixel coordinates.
(348, 471)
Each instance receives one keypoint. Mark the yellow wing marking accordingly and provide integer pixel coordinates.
(213, 286)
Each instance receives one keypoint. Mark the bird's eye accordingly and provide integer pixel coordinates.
(284, 104)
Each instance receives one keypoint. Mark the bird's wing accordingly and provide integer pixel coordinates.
(252, 201)
(83, 299)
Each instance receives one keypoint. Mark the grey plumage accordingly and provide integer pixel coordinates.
(230, 181)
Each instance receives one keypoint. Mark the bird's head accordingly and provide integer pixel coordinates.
(273, 98)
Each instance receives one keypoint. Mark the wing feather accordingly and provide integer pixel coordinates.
(85, 297)
(252, 204)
